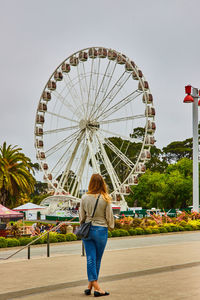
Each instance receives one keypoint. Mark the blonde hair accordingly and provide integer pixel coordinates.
(97, 185)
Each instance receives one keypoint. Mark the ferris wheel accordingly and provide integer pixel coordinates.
(85, 122)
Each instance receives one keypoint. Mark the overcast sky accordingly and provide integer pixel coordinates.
(162, 37)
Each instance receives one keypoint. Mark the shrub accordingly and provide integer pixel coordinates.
(115, 233)
(118, 224)
(24, 241)
(181, 228)
(183, 223)
(188, 228)
(123, 232)
(155, 230)
(39, 241)
(152, 223)
(136, 222)
(163, 229)
(132, 231)
(174, 228)
(71, 237)
(168, 227)
(61, 237)
(12, 242)
(139, 231)
(52, 238)
(194, 226)
(3, 242)
(147, 230)
(109, 234)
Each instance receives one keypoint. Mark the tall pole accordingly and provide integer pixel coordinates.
(195, 152)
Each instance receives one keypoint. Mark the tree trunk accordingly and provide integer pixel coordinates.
(3, 196)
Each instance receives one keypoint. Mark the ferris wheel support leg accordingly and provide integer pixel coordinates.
(113, 176)
(95, 165)
(67, 169)
(123, 203)
(77, 182)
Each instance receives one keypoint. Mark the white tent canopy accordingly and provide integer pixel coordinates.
(28, 206)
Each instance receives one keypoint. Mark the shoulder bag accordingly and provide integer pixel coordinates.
(84, 229)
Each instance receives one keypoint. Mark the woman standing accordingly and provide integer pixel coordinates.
(97, 239)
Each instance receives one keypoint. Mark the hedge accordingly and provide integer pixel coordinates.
(132, 231)
(24, 241)
(12, 242)
(71, 237)
(3, 242)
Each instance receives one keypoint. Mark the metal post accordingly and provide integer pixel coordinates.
(83, 250)
(48, 246)
(195, 152)
(29, 252)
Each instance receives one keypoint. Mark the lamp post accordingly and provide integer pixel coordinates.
(192, 97)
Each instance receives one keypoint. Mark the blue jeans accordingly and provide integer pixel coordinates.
(94, 247)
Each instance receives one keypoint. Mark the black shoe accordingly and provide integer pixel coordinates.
(87, 292)
(98, 294)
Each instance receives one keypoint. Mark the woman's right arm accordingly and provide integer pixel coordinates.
(82, 214)
(109, 216)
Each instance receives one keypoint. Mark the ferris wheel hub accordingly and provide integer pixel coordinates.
(83, 124)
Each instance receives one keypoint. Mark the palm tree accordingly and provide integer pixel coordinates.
(15, 176)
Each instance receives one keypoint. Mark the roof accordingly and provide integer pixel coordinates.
(8, 213)
(28, 206)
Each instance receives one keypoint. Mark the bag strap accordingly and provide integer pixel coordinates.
(96, 205)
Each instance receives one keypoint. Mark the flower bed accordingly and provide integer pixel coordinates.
(126, 226)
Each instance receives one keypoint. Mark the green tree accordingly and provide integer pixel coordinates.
(177, 150)
(15, 176)
(149, 191)
(156, 163)
(170, 189)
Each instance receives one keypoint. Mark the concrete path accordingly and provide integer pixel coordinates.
(149, 268)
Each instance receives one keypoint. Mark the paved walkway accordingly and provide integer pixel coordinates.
(156, 270)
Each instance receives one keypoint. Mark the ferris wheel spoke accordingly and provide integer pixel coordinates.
(77, 182)
(61, 144)
(121, 136)
(63, 101)
(114, 90)
(121, 103)
(122, 119)
(70, 88)
(60, 161)
(84, 85)
(82, 88)
(60, 129)
(95, 165)
(97, 73)
(60, 116)
(112, 174)
(119, 154)
(69, 164)
(89, 91)
(65, 98)
(103, 87)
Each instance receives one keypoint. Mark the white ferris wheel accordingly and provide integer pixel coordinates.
(85, 120)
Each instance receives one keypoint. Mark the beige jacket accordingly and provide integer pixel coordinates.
(103, 214)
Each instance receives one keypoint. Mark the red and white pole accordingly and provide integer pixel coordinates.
(193, 97)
